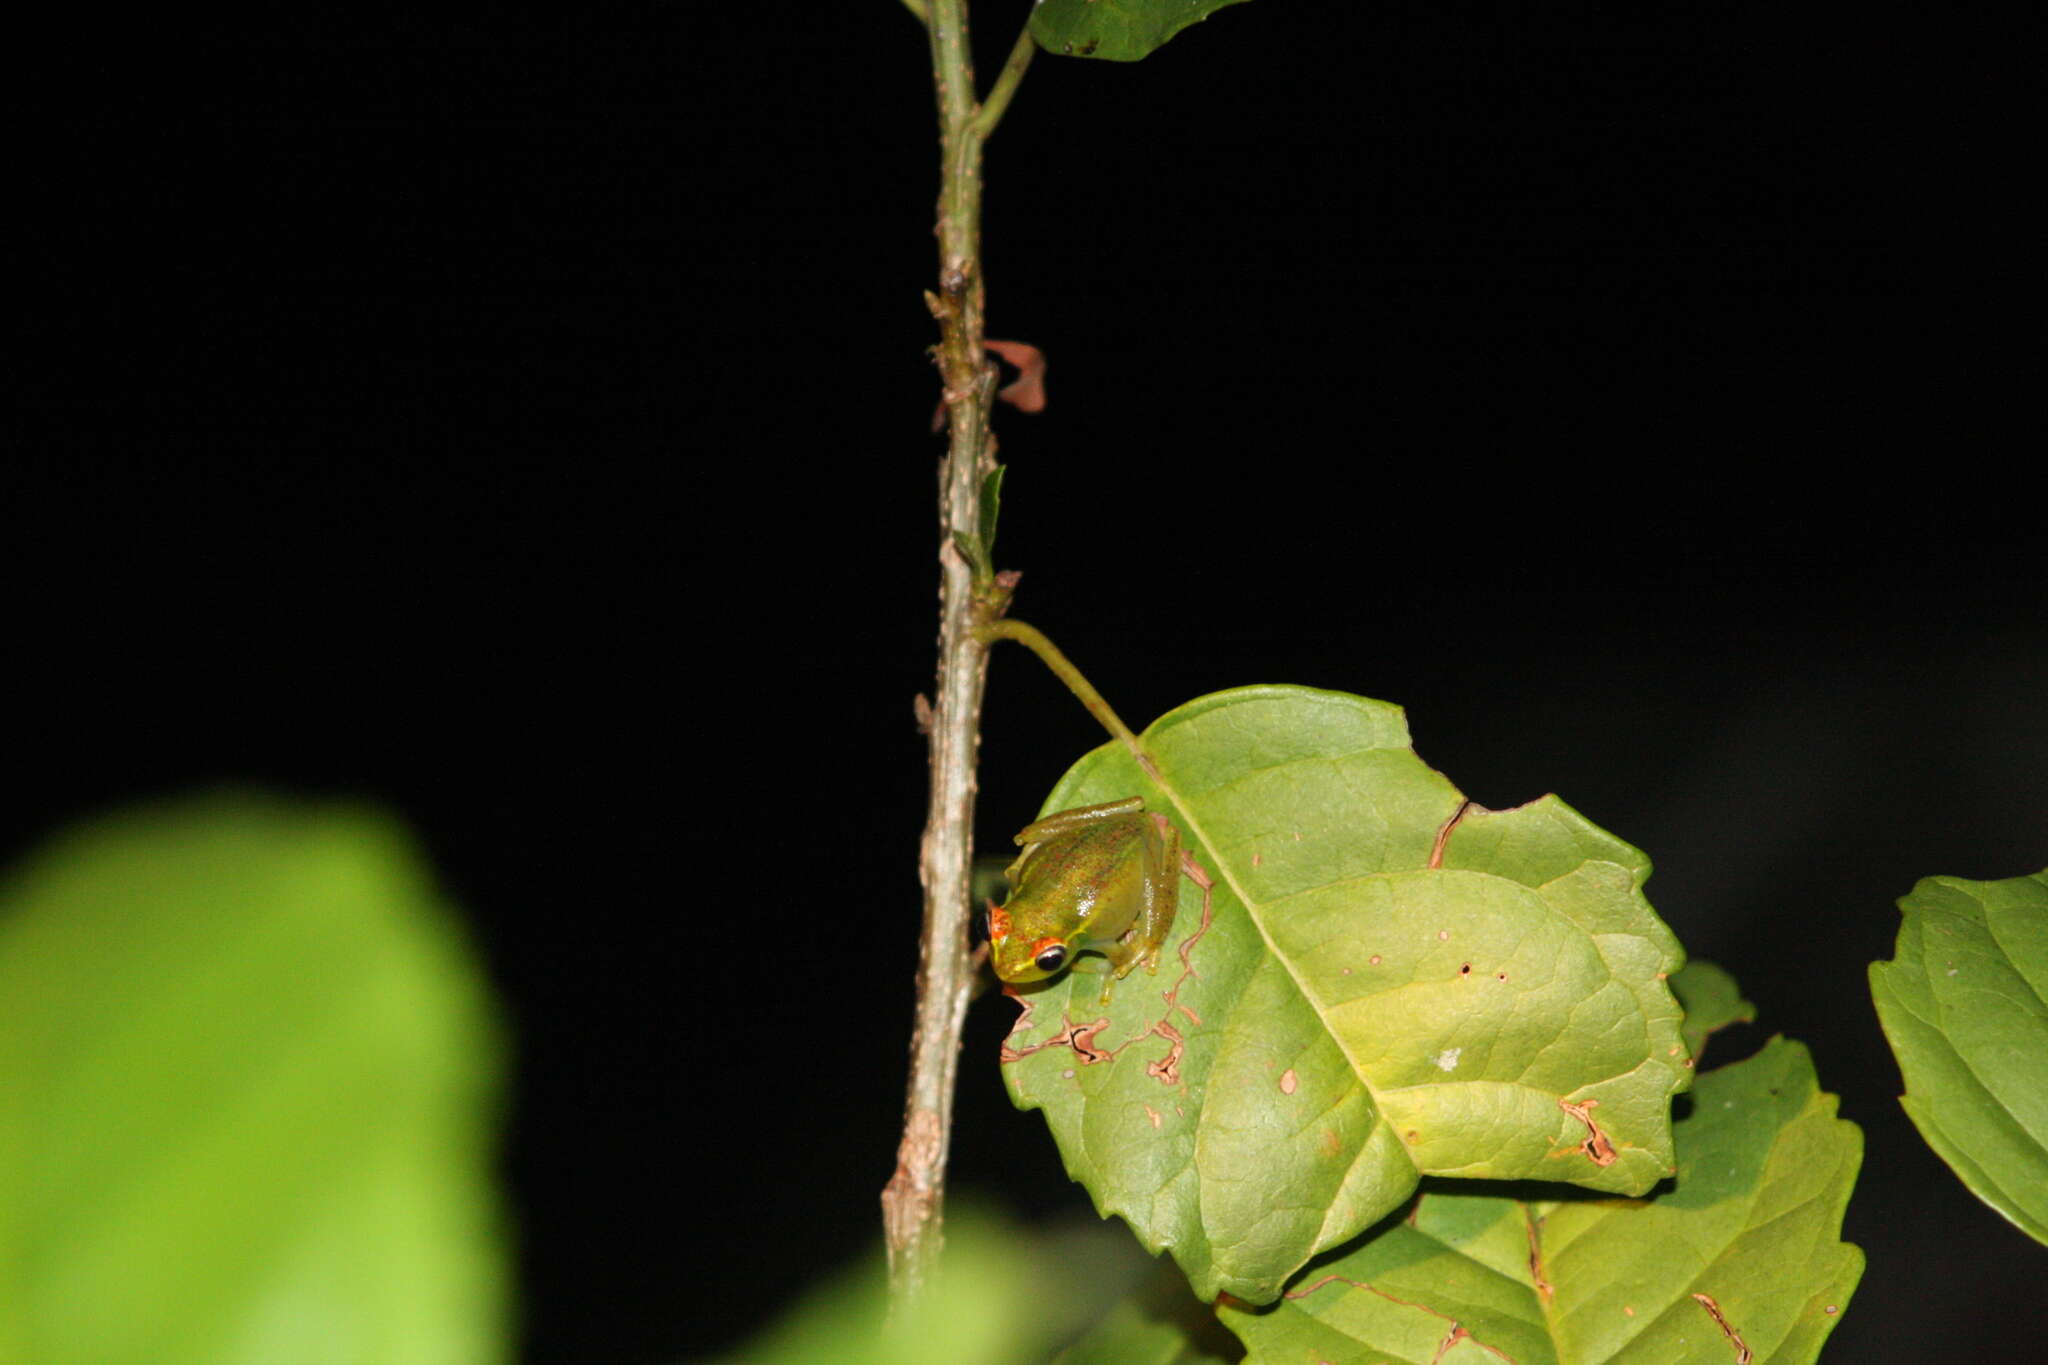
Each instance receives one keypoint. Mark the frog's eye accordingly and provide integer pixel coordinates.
(1052, 958)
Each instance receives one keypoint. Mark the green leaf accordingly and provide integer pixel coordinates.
(251, 1076)
(1748, 1237)
(1965, 1004)
(1162, 1324)
(1115, 30)
(1712, 1002)
(1130, 1335)
(1002, 1297)
(991, 511)
(1393, 983)
(975, 553)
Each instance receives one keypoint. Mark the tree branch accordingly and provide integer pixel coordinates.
(913, 1202)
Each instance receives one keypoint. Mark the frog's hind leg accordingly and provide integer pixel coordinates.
(1161, 901)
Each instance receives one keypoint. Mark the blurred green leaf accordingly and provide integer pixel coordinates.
(1115, 30)
(1965, 1004)
(1748, 1237)
(1160, 1323)
(1004, 1297)
(1712, 1002)
(1394, 983)
(1130, 1335)
(251, 1075)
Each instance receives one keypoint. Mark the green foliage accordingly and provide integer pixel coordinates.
(1129, 1336)
(1004, 1297)
(1741, 1252)
(1162, 1324)
(250, 1073)
(1965, 1004)
(979, 549)
(991, 510)
(1712, 1002)
(1393, 983)
(1115, 30)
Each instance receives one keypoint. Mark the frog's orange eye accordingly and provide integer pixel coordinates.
(998, 922)
(1051, 957)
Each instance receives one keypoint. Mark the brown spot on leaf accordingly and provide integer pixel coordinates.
(1079, 1037)
(1025, 1008)
(1543, 1287)
(1167, 1069)
(1735, 1342)
(1596, 1148)
(1452, 1338)
(1152, 1114)
(1083, 1041)
(1443, 834)
(1288, 1081)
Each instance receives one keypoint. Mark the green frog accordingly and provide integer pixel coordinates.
(1103, 878)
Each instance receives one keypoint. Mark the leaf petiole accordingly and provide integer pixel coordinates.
(1063, 668)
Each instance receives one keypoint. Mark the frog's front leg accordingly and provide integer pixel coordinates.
(1160, 898)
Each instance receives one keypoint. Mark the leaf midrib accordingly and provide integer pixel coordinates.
(1255, 912)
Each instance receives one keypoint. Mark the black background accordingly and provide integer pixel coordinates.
(519, 417)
